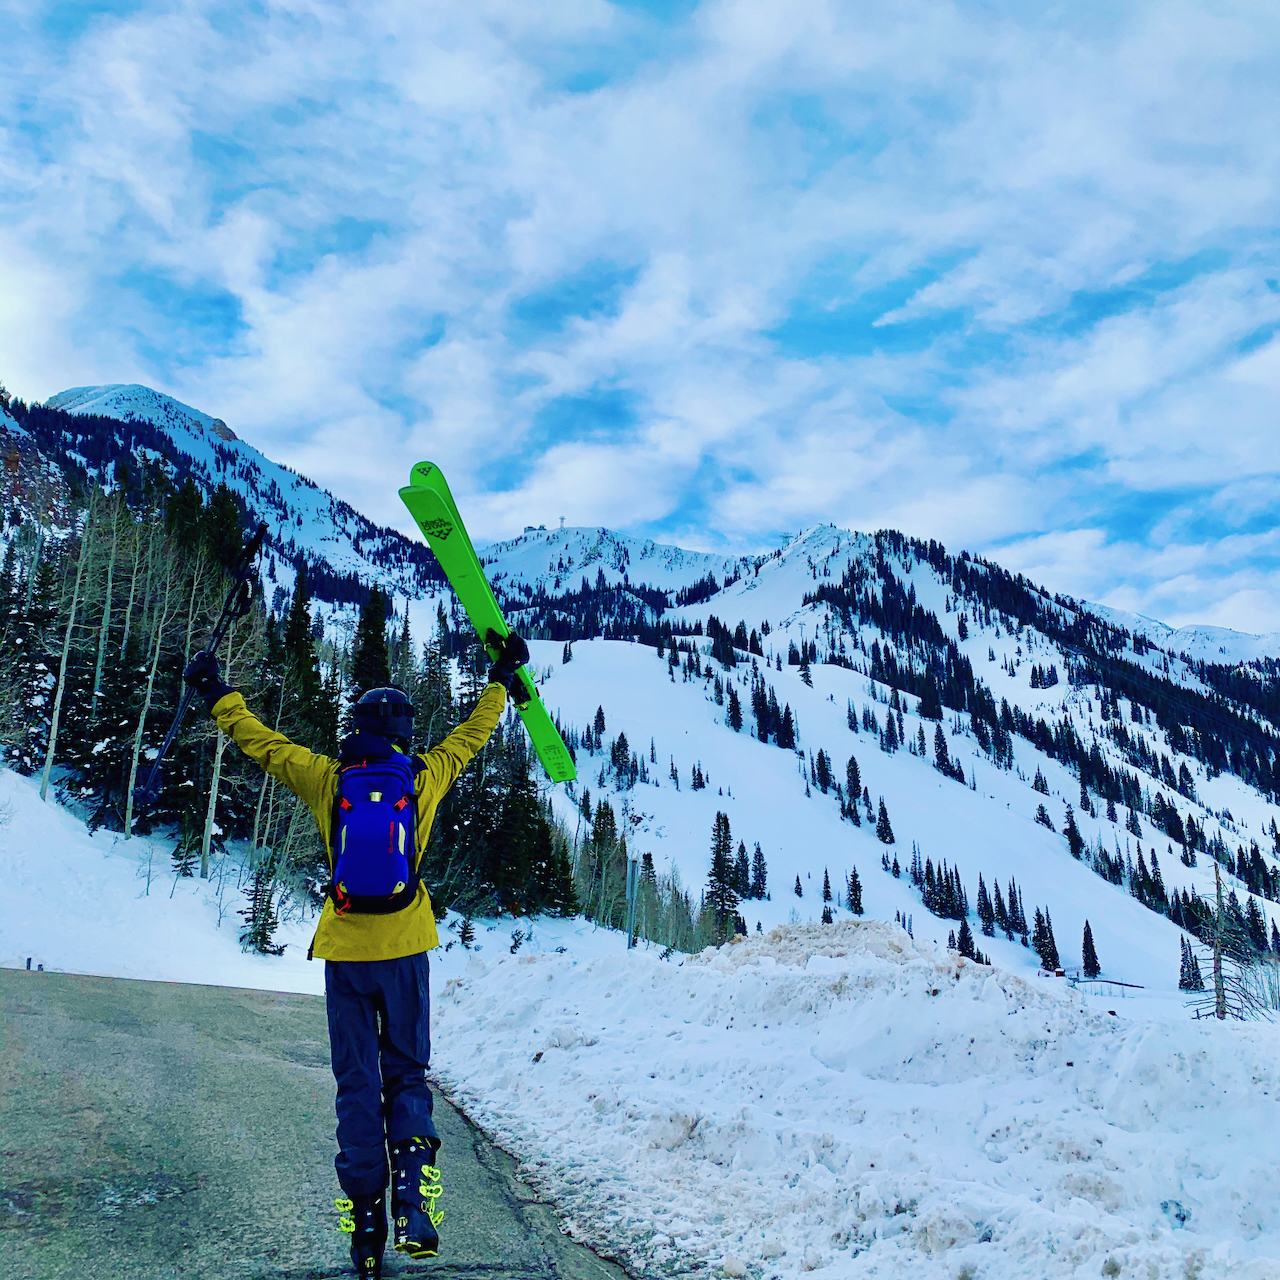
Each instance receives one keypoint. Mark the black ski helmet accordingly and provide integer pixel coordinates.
(385, 713)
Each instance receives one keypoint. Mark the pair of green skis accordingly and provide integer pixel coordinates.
(431, 504)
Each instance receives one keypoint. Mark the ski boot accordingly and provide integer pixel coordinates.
(415, 1192)
(364, 1219)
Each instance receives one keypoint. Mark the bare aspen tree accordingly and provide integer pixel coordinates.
(197, 581)
(133, 587)
(207, 838)
(1219, 988)
(105, 628)
(66, 650)
(35, 564)
(262, 789)
(161, 621)
(211, 812)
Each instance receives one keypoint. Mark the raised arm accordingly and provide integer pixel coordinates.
(306, 774)
(447, 760)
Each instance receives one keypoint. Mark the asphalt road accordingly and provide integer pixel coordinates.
(158, 1130)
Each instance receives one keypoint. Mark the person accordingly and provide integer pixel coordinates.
(374, 933)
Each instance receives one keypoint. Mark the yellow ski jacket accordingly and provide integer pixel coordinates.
(314, 779)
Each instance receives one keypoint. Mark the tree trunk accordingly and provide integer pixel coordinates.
(35, 564)
(197, 574)
(133, 588)
(217, 770)
(106, 619)
(213, 805)
(161, 622)
(66, 650)
(1219, 989)
(262, 790)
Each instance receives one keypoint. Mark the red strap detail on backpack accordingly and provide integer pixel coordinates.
(343, 803)
(401, 803)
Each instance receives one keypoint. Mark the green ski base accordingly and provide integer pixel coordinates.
(432, 506)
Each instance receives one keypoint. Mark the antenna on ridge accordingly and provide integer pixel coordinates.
(562, 522)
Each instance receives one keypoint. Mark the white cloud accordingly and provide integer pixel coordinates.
(1007, 162)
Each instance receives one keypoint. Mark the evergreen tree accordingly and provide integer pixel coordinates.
(222, 524)
(466, 932)
(742, 872)
(303, 671)
(964, 943)
(721, 897)
(826, 886)
(998, 910)
(186, 851)
(799, 892)
(822, 771)
(735, 710)
(930, 702)
(853, 779)
(986, 910)
(598, 723)
(519, 851)
(370, 662)
(1075, 841)
(1189, 977)
(853, 888)
(787, 730)
(884, 832)
(1042, 817)
(1042, 941)
(1089, 955)
(759, 874)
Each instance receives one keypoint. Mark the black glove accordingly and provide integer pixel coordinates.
(512, 653)
(204, 675)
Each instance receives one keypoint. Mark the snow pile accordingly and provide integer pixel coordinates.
(845, 1099)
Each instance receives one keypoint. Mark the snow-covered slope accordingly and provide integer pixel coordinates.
(131, 401)
(555, 560)
(302, 519)
(1200, 643)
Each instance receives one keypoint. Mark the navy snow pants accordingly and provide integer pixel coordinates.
(380, 1042)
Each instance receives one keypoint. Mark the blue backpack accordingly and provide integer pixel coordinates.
(374, 829)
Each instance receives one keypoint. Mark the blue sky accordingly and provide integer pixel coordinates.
(1004, 276)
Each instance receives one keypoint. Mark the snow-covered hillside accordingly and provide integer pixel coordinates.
(302, 519)
(1200, 643)
(555, 560)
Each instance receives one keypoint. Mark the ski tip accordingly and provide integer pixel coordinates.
(421, 473)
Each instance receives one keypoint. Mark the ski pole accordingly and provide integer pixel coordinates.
(237, 604)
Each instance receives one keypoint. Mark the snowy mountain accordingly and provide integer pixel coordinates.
(88, 430)
(853, 1096)
(1199, 643)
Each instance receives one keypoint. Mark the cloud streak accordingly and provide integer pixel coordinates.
(712, 274)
